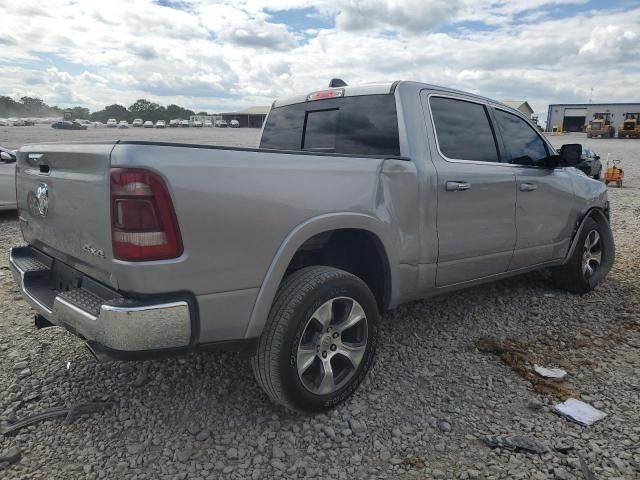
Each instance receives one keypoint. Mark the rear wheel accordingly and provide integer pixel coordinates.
(319, 340)
(589, 262)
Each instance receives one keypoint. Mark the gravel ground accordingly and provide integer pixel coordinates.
(431, 398)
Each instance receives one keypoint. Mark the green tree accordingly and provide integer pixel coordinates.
(112, 111)
(80, 112)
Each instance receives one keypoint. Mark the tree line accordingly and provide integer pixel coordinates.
(145, 109)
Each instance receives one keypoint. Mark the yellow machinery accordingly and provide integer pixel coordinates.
(630, 127)
(614, 173)
(601, 126)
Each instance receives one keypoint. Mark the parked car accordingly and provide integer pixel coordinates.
(7, 179)
(4, 122)
(112, 123)
(68, 125)
(208, 123)
(174, 123)
(590, 163)
(297, 277)
(221, 123)
(137, 122)
(234, 124)
(161, 124)
(18, 122)
(148, 124)
(196, 123)
(185, 123)
(123, 124)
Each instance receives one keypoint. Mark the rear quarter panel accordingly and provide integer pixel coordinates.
(235, 210)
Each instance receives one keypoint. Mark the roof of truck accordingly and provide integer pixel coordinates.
(377, 88)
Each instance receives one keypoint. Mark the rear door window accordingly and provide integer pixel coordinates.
(522, 143)
(463, 130)
(361, 125)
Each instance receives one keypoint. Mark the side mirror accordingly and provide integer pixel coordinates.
(6, 157)
(597, 157)
(570, 154)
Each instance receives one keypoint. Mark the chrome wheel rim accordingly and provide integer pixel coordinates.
(592, 254)
(332, 346)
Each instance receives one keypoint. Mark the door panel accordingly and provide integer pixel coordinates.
(476, 194)
(543, 216)
(544, 195)
(476, 227)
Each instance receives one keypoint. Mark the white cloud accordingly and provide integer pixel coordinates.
(216, 55)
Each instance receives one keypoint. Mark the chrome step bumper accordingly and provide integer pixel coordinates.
(69, 299)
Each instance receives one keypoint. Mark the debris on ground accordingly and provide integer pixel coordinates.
(10, 456)
(556, 373)
(586, 472)
(516, 443)
(69, 413)
(579, 412)
(414, 462)
(517, 354)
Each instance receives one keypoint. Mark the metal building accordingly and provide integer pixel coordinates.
(574, 117)
(251, 117)
(521, 105)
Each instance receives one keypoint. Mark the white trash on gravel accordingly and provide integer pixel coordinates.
(557, 373)
(579, 412)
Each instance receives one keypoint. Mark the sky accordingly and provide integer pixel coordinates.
(227, 55)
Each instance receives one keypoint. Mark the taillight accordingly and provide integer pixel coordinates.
(143, 222)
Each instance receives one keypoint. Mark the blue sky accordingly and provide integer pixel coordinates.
(224, 55)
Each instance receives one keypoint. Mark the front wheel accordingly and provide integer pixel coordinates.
(591, 260)
(319, 340)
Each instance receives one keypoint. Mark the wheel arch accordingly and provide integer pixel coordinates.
(301, 234)
(599, 215)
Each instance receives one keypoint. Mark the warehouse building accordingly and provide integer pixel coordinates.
(521, 105)
(251, 117)
(574, 117)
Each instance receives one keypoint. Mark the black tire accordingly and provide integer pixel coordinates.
(597, 176)
(571, 276)
(300, 295)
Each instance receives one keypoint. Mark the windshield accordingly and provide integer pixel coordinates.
(361, 125)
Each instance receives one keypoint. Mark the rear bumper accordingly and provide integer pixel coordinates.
(69, 299)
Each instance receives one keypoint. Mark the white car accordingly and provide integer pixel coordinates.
(112, 123)
(184, 123)
(147, 124)
(123, 124)
(137, 122)
(161, 124)
(221, 123)
(7, 179)
(207, 123)
(234, 124)
(174, 123)
(196, 123)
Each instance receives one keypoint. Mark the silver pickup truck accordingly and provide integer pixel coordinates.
(358, 199)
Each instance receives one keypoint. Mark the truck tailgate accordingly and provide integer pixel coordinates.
(63, 203)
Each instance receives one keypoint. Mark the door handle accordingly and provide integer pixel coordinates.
(457, 186)
(528, 187)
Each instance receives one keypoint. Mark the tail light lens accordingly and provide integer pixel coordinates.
(144, 225)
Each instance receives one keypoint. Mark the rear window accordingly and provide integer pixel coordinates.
(363, 125)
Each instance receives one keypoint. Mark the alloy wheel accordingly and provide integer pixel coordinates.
(333, 344)
(592, 254)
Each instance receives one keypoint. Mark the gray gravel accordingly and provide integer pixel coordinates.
(422, 413)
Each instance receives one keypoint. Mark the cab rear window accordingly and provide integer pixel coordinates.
(362, 125)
